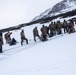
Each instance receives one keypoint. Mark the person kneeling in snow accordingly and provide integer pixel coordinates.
(13, 42)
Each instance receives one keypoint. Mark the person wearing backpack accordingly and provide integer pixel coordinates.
(71, 28)
(44, 33)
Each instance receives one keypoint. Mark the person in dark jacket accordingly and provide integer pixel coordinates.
(65, 26)
(44, 33)
(59, 27)
(47, 30)
(36, 33)
(23, 37)
(13, 42)
(1, 42)
(0, 46)
(52, 29)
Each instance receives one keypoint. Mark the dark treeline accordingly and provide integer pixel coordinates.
(43, 20)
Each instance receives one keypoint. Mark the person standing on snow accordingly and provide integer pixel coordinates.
(52, 29)
(44, 33)
(65, 26)
(23, 37)
(35, 33)
(59, 27)
(1, 42)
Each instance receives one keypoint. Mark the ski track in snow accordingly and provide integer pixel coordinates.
(17, 49)
(42, 64)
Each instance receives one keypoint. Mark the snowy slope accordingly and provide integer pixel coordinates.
(61, 7)
(56, 56)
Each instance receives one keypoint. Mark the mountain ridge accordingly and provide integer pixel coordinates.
(59, 8)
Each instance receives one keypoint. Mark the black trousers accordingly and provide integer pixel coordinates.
(1, 49)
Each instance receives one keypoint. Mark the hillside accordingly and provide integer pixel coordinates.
(60, 8)
(56, 56)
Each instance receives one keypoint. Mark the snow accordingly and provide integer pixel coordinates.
(57, 56)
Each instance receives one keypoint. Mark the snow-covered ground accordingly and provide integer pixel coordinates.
(57, 56)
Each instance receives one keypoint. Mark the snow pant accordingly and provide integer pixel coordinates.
(36, 36)
(59, 31)
(44, 37)
(22, 39)
(65, 29)
(1, 49)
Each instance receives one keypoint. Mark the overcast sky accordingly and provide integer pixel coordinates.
(14, 12)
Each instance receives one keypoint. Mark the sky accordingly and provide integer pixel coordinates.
(15, 12)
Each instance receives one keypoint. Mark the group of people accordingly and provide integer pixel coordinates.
(12, 41)
(54, 28)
